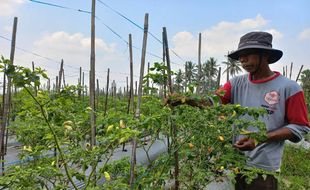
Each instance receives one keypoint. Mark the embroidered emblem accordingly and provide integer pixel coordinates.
(272, 97)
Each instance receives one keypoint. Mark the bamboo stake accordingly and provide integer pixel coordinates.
(7, 99)
(297, 78)
(114, 94)
(107, 94)
(148, 80)
(60, 75)
(131, 96)
(186, 73)
(137, 113)
(35, 88)
(164, 61)
(92, 76)
(56, 86)
(136, 89)
(173, 126)
(168, 61)
(3, 112)
(79, 83)
(227, 74)
(291, 70)
(63, 78)
(48, 84)
(199, 87)
(83, 86)
(127, 89)
(97, 94)
(218, 78)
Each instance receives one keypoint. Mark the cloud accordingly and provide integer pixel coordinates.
(74, 49)
(276, 34)
(304, 35)
(8, 7)
(62, 42)
(219, 39)
(8, 29)
(183, 41)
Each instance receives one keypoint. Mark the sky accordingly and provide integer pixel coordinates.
(51, 30)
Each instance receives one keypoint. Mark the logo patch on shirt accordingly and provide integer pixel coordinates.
(272, 97)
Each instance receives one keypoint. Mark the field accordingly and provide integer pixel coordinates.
(69, 140)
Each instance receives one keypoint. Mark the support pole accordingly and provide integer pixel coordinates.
(7, 99)
(92, 76)
(137, 113)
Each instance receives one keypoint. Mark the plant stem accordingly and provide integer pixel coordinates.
(94, 168)
(55, 138)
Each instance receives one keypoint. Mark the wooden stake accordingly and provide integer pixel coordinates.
(168, 60)
(164, 61)
(137, 113)
(63, 78)
(56, 86)
(7, 99)
(131, 96)
(48, 84)
(114, 93)
(35, 88)
(97, 94)
(199, 87)
(83, 86)
(92, 76)
(297, 78)
(186, 73)
(60, 75)
(148, 80)
(107, 93)
(127, 88)
(173, 126)
(218, 78)
(79, 83)
(136, 88)
(291, 70)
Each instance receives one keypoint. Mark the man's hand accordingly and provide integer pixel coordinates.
(245, 144)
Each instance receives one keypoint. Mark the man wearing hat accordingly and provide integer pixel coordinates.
(287, 117)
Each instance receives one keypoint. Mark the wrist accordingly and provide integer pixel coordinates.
(280, 135)
(270, 136)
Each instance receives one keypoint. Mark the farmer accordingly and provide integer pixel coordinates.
(283, 99)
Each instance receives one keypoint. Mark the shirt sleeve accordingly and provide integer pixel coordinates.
(225, 93)
(297, 115)
(296, 110)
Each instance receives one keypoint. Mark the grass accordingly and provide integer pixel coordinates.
(295, 169)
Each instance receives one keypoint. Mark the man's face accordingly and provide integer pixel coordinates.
(249, 60)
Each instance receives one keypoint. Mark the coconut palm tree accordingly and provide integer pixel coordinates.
(209, 70)
(179, 80)
(232, 67)
(189, 75)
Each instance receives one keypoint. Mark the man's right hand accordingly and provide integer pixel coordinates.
(245, 144)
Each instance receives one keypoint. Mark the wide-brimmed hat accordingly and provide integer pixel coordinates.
(257, 40)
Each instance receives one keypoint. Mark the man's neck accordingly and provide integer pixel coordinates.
(262, 75)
